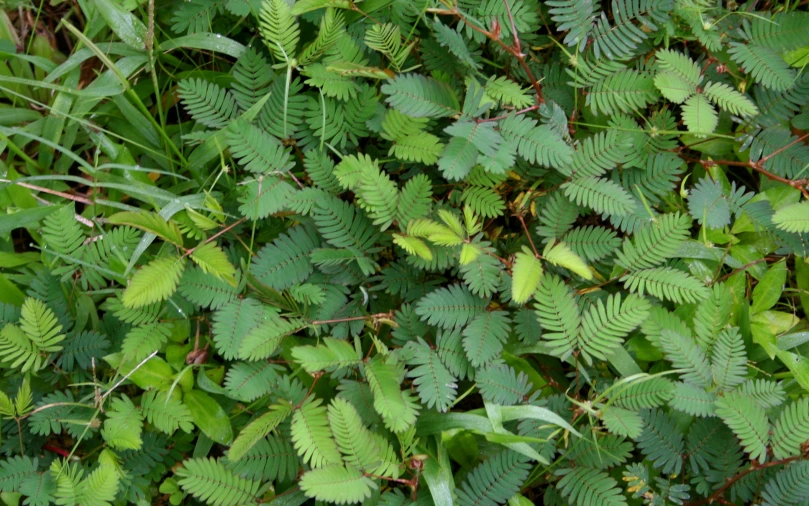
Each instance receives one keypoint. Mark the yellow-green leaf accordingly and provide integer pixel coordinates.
(563, 256)
(150, 222)
(525, 276)
(469, 252)
(793, 218)
(213, 260)
(154, 282)
(414, 246)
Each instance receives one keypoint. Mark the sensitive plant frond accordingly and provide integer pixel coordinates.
(209, 480)
(748, 421)
(279, 28)
(495, 480)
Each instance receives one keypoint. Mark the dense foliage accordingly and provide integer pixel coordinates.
(397, 252)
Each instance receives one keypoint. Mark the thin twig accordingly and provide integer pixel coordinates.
(514, 50)
(52, 192)
(513, 27)
(531, 240)
(142, 362)
(223, 231)
(521, 111)
(743, 268)
(352, 318)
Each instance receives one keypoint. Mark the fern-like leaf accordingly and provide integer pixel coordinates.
(623, 91)
(765, 65)
(605, 324)
(748, 421)
(537, 144)
(337, 484)
(661, 441)
(789, 486)
(312, 436)
(207, 103)
(155, 282)
(603, 196)
(209, 480)
(791, 430)
(667, 284)
(484, 337)
(793, 218)
(587, 487)
(166, 413)
(500, 384)
(421, 97)
(435, 385)
(494, 480)
(729, 359)
(257, 151)
(558, 313)
(653, 244)
(280, 29)
(285, 262)
(685, 354)
(397, 408)
(256, 430)
(730, 100)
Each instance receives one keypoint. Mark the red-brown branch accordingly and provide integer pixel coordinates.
(515, 49)
(800, 184)
(521, 111)
(720, 492)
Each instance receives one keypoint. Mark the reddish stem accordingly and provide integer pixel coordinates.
(59, 451)
(718, 494)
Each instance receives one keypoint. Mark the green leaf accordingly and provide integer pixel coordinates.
(209, 416)
(674, 87)
(748, 421)
(582, 487)
(765, 65)
(680, 65)
(769, 289)
(337, 484)
(730, 100)
(558, 312)
(484, 337)
(397, 407)
(685, 354)
(495, 480)
(312, 436)
(791, 430)
(331, 355)
(450, 307)
(256, 431)
(435, 384)
(699, 116)
(128, 27)
(414, 246)
(264, 196)
(166, 413)
(209, 480)
(280, 29)
(622, 422)
(421, 97)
